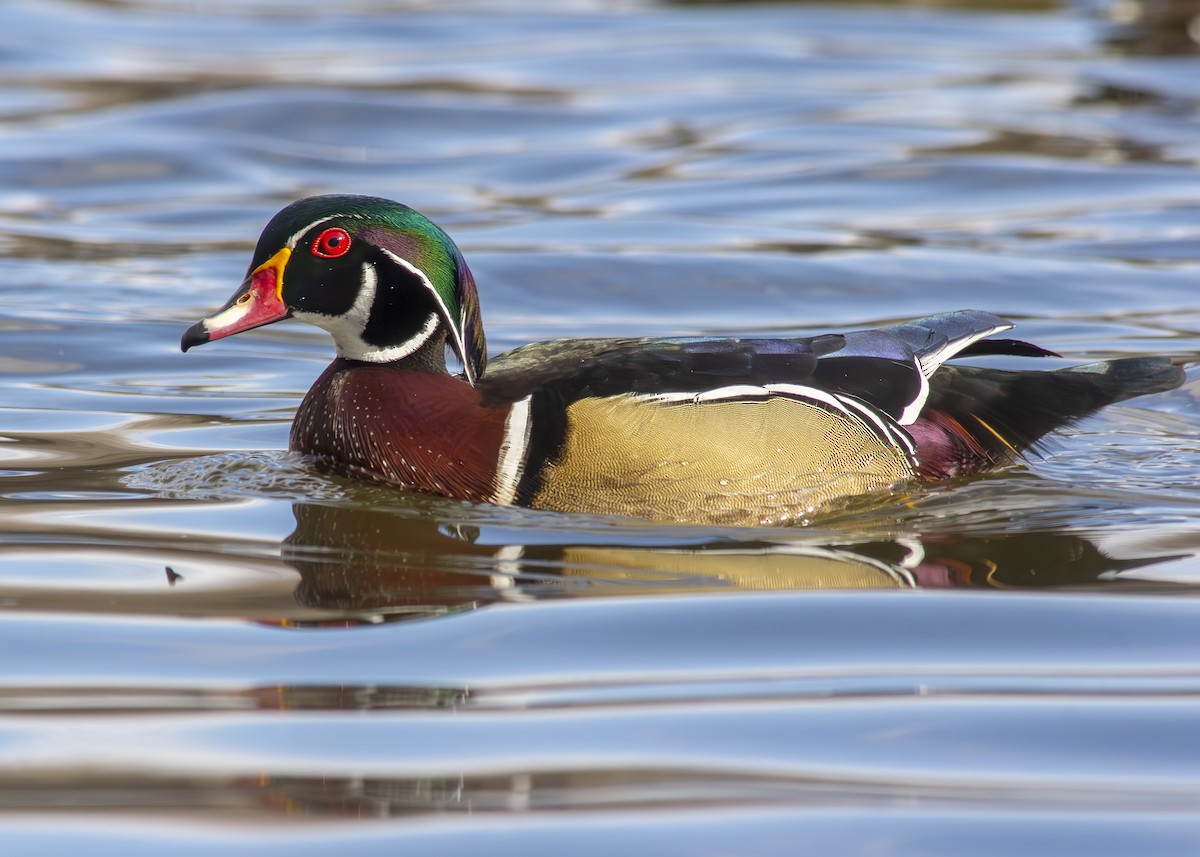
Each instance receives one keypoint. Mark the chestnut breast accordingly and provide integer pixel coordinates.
(421, 430)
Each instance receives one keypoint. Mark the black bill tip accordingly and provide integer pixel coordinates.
(194, 335)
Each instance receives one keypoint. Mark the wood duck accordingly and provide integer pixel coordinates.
(705, 429)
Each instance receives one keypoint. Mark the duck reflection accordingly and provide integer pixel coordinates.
(1152, 27)
(386, 564)
(524, 791)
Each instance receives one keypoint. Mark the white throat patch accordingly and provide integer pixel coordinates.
(347, 329)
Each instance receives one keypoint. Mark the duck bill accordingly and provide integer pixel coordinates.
(258, 301)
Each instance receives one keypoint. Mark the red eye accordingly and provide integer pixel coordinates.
(331, 243)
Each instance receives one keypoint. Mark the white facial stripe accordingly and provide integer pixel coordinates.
(360, 312)
(405, 348)
(295, 236)
(451, 322)
(512, 454)
(347, 329)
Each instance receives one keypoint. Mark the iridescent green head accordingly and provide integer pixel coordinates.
(382, 278)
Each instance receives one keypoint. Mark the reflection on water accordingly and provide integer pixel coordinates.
(1154, 27)
(200, 636)
(359, 560)
(345, 563)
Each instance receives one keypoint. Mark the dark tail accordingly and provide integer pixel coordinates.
(977, 418)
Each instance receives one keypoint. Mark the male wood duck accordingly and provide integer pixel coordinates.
(705, 429)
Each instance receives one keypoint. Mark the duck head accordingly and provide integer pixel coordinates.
(383, 279)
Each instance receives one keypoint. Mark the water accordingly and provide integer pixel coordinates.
(207, 646)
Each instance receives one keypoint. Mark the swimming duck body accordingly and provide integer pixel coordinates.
(715, 430)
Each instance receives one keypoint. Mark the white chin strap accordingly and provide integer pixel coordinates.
(347, 329)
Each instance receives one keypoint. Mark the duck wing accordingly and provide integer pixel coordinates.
(886, 369)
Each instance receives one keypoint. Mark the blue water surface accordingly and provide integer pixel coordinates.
(209, 647)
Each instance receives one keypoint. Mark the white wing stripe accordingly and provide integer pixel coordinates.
(913, 410)
(899, 439)
(851, 407)
(930, 362)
